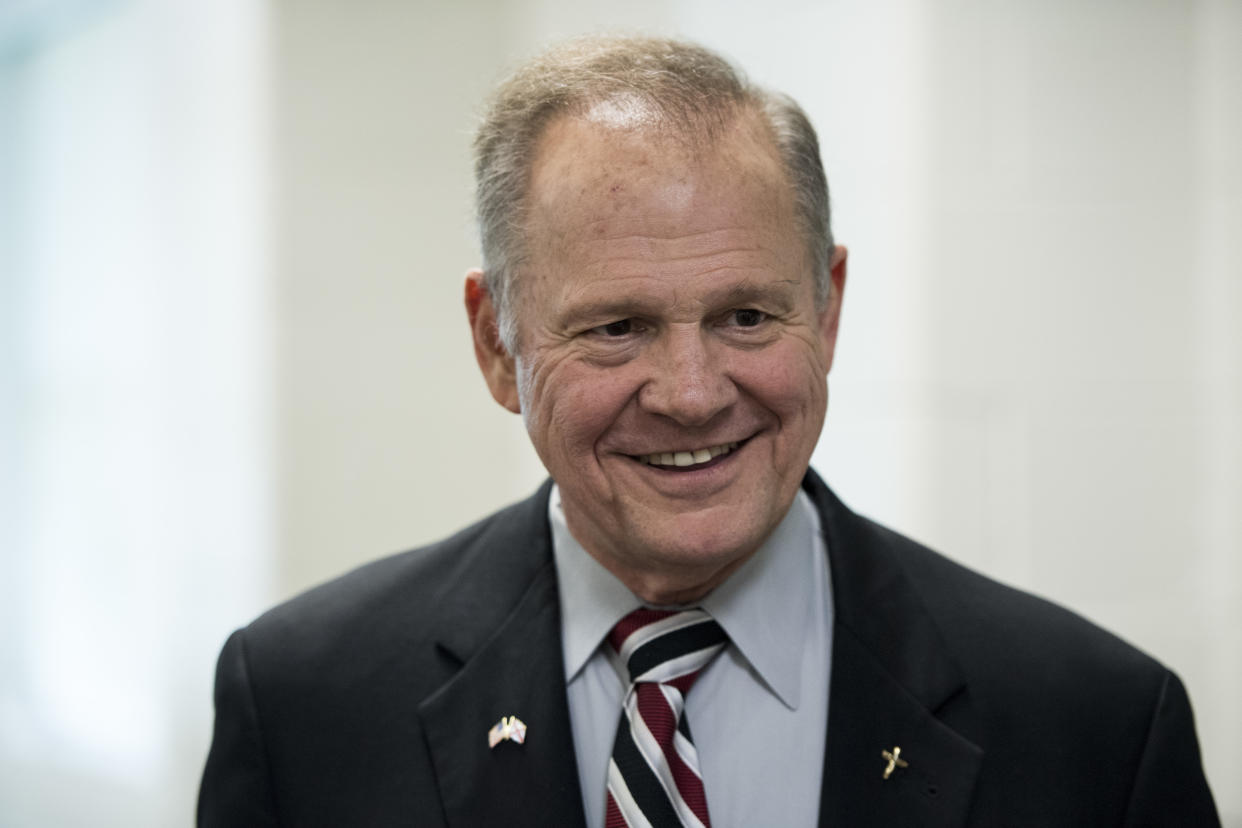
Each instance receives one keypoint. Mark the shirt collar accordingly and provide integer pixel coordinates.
(592, 599)
(764, 606)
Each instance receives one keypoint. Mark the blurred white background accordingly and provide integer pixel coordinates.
(233, 361)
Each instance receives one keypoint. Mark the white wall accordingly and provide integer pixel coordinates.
(134, 396)
(1040, 370)
(386, 438)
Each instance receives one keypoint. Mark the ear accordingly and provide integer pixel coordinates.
(495, 361)
(830, 316)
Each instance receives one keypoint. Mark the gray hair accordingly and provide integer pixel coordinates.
(696, 93)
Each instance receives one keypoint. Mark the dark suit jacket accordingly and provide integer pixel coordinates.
(367, 701)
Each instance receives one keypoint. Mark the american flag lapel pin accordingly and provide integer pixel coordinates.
(509, 728)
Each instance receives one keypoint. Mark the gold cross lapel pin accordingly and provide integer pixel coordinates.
(509, 728)
(894, 761)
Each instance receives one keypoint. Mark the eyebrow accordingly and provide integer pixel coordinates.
(781, 293)
(613, 307)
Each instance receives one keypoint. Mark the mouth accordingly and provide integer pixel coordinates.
(688, 459)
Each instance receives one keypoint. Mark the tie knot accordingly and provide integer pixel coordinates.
(666, 646)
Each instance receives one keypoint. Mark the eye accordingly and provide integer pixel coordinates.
(621, 327)
(747, 317)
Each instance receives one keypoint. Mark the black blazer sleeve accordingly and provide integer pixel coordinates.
(1169, 788)
(236, 787)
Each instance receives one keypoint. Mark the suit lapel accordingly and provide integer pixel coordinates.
(870, 712)
(504, 633)
(518, 672)
(891, 676)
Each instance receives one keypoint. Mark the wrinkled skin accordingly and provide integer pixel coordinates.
(667, 305)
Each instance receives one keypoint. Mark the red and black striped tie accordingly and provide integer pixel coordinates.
(654, 778)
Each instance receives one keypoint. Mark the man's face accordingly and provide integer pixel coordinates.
(671, 366)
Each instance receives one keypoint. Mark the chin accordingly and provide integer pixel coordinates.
(707, 543)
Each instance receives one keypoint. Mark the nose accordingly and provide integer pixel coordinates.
(688, 382)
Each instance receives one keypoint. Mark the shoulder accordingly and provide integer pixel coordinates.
(1005, 634)
(1013, 649)
(408, 601)
(317, 699)
(1057, 704)
(1077, 725)
(979, 618)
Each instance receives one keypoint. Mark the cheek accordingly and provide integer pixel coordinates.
(789, 381)
(573, 405)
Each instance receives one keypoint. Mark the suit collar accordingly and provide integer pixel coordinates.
(878, 603)
(891, 673)
(493, 571)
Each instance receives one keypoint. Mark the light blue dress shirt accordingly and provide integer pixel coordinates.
(758, 713)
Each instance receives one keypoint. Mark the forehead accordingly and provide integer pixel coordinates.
(596, 174)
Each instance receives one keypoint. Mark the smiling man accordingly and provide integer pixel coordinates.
(672, 343)
(684, 626)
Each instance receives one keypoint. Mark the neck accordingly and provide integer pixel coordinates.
(668, 587)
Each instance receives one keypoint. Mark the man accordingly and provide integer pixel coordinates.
(684, 626)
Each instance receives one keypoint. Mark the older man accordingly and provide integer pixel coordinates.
(684, 626)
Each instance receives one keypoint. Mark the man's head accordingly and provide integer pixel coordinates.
(661, 302)
(670, 86)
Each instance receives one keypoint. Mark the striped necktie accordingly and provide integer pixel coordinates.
(653, 778)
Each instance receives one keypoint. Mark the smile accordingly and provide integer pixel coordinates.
(686, 457)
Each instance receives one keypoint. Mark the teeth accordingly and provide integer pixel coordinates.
(688, 457)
